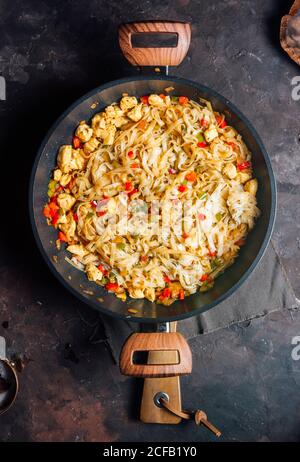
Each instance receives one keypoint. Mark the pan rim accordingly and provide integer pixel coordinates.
(98, 306)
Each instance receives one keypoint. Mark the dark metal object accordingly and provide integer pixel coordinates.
(9, 384)
(76, 281)
(161, 395)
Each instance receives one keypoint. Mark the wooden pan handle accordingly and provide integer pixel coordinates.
(153, 55)
(159, 342)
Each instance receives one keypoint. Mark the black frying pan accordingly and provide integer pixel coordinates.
(61, 133)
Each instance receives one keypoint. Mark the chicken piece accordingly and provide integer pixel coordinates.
(64, 158)
(230, 171)
(91, 145)
(136, 113)
(115, 116)
(109, 134)
(93, 273)
(242, 177)
(211, 133)
(78, 250)
(84, 132)
(69, 159)
(156, 100)
(57, 174)
(65, 179)
(136, 293)
(128, 102)
(68, 226)
(150, 294)
(65, 201)
(251, 186)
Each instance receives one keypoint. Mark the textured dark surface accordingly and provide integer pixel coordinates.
(243, 376)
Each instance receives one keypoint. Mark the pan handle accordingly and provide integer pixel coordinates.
(165, 345)
(155, 43)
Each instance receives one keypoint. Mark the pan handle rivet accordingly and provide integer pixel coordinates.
(159, 396)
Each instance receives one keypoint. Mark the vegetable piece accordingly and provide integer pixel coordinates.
(133, 192)
(185, 235)
(47, 211)
(102, 269)
(162, 96)
(75, 216)
(202, 216)
(200, 137)
(144, 258)
(166, 293)
(128, 186)
(130, 154)
(135, 165)
(204, 123)
(145, 99)
(121, 246)
(101, 213)
(182, 188)
(181, 294)
(218, 216)
(202, 144)
(191, 176)
(183, 100)
(221, 122)
(76, 142)
(167, 279)
(204, 277)
(243, 166)
(94, 204)
(62, 236)
(112, 286)
(55, 219)
(212, 253)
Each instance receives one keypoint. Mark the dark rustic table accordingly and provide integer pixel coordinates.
(243, 376)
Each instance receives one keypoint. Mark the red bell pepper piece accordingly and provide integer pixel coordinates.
(243, 166)
(183, 100)
(182, 188)
(202, 144)
(145, 99)
(76, 142)
(112, 286)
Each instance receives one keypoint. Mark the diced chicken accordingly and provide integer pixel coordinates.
(156, 100)
(84, 132)
(136, 293)
(109, 134)
(230, 171)
(68, 226)
(78, 250)
(150, 294)
(136, 113)
(64, 158)
(211, 133)
(57, 174)
(93, 273)
(65, 201)
(69, 159)
(91, 145)
(128, 102)
(242, 177)
(65, 179)
(251, 186)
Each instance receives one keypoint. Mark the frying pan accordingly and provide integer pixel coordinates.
(136, 41)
